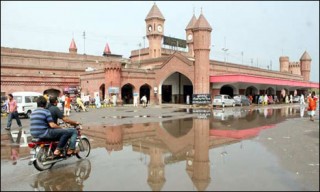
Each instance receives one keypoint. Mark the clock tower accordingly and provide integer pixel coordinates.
(202, 41)
(154, 31)
(189, 35)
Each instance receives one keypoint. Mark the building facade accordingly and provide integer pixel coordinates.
(163, 75)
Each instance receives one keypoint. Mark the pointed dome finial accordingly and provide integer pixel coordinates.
(193, 9)
(73, 47)
(106, 50)
(155, 13)
(201, 10)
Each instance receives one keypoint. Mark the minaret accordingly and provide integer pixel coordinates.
(189, 35)
(73, 47)
(202, 41)
(305, 66)
(106, 50)
(201, 163)
(154, 31)
(284, 64)
(156, 176)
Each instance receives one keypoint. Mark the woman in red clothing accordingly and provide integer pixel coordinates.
(312, 102)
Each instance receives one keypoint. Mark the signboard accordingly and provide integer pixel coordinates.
(113, 90)
(201, 99)
(70, 90)
(174, 42)
(202, 113)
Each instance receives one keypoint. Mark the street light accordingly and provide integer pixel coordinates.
(225, 53)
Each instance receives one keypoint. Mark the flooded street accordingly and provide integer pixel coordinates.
(161, 149)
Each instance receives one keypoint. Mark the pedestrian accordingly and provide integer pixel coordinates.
(80, 103)
(144, 101)
(62, 99)
(97, 101)
(312, 104)
(265, 99)
(291, 98)
(135, 100)
(287, 99)
(114, 100)
(67, 105)
(302, 99)
(12, 112)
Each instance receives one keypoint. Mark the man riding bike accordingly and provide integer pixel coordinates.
(42, 126)
(58, 114)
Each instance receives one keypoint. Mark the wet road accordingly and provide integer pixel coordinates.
(170, 148)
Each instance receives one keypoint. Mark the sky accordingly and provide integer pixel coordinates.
(255, 33)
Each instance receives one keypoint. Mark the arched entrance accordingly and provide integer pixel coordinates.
(227, 90)
(145, 90)
(175, 88)
(270, 91)
(127, 94)
(102, 91)
(52, 92)
(251, 91)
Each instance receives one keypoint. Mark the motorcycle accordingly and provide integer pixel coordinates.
(42, 151)
(76, 107)
(70, 179)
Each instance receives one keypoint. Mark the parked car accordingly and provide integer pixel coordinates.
(223, 100)
(241, 100)
(296, 99)
(26, 102)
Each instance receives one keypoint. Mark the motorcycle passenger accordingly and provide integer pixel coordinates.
(42, 126)
(56, 114)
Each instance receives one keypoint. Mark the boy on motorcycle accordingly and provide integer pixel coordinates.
(56, 114)
(42, 126)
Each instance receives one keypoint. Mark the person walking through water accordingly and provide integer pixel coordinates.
(12, 112)
(312, 104)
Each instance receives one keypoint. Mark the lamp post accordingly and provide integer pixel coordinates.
(225, 54)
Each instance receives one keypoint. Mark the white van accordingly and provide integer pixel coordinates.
(26, 101)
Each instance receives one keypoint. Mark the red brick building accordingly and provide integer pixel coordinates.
(164, 75)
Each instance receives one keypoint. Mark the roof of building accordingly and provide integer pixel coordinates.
(305, 57)
(155, 13)
(202, 23)
(73, 45)
(191, 22)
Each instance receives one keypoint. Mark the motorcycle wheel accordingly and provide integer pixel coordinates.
(84, 148)
(42, 157)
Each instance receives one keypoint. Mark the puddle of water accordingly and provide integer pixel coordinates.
(180, 154)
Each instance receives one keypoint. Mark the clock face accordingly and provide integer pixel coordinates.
(159, 28)
(189, 37)
(150, 28)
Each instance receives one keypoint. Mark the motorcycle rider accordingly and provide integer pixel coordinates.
(58, 114)
(42, 126)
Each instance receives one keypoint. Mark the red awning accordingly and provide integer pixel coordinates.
(239, 134)
(261, 80)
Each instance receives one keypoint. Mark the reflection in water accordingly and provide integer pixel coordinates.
(63, 179)
(12, 146)
(186, 140)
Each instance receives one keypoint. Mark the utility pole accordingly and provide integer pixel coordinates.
(139, 53)
(242, 56)
(144, 41)
(251, 62)
(271, 65)
(84, 42)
